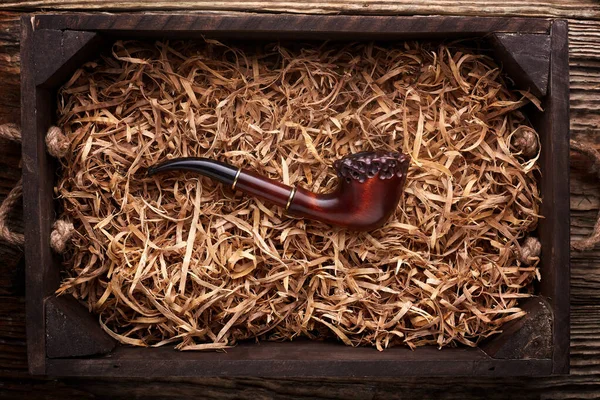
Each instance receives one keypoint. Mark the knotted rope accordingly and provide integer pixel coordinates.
(10, 132)
(57, 143)
(526, 141)
(530, 250)
(62, 230)
(7, 205)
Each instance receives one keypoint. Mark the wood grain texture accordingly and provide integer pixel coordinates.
(554, 160)
(584, 381)
(34, 228)
(9, 68)
(584, 64)
(275, 26)
(12, 278)
(585, 9)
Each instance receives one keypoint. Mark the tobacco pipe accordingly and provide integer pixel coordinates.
(370, 187)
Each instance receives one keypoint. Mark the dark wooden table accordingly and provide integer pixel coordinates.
(584, 381)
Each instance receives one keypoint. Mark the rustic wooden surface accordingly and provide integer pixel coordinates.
(584, 381)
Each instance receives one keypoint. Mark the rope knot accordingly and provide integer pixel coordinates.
(62, 231)
(530, 250)
(526, 142)
(58, 143)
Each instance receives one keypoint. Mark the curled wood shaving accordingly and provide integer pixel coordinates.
(181, 259)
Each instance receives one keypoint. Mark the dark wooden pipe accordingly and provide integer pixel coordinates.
(371, 184)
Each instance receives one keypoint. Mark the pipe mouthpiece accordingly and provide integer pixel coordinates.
(219, 171)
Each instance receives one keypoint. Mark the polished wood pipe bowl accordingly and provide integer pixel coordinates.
(371, 185)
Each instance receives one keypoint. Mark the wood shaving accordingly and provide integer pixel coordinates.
(179, 259)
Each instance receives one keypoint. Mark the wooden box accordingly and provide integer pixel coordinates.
(64, 340)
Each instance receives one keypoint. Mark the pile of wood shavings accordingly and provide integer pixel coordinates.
(181, 259)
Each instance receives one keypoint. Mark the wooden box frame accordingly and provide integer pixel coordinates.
(533, 51)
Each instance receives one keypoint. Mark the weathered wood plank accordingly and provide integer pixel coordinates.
(11, 277)
(584, 60)
(10, 110)
(585, 9)
(13, 356)
(584, 381)
(584, 63)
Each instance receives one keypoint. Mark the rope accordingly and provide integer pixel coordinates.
(16, 239)
(62, 231)
(10, 132)
(526, 142)
(530, 250)
(13, 133)
(58, 144)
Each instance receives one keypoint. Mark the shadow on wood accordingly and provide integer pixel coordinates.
(56, 54)
(526, 59)
(73, 332)
(527, 338)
